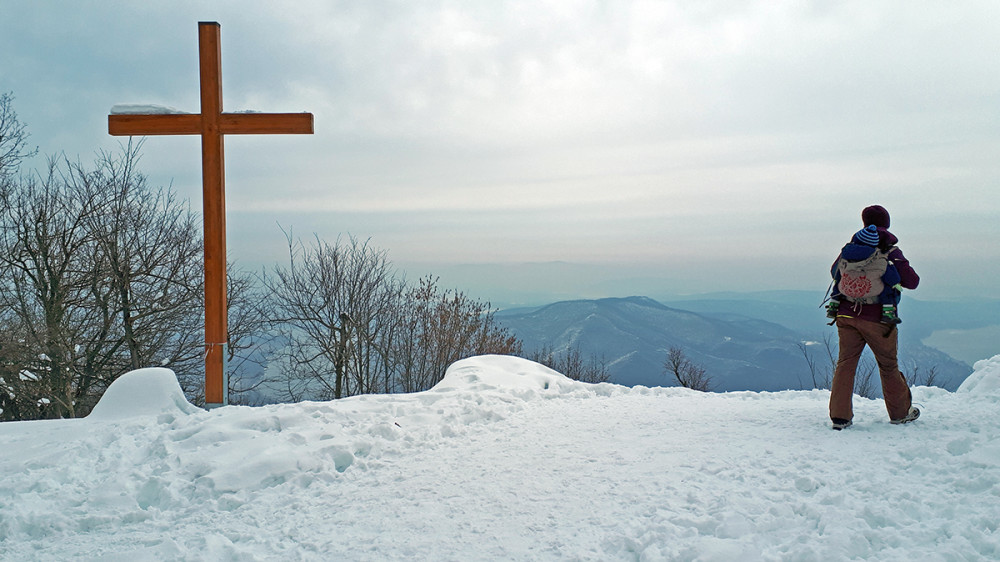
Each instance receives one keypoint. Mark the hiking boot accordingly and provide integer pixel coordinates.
(841, 423)
(913, 414)
(889, 314)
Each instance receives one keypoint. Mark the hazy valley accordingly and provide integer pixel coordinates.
(747, 341)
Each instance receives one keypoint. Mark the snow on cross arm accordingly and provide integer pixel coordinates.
(144, 109)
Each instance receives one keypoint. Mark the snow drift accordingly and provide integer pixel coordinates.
(506, 459)
(985, 377)
(145, 392)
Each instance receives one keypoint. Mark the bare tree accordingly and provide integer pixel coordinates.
(686, 373)
(443, 327)
(412, 368)
(99, 276)
(372, 311)
(46, 276)
(572, 364)
(331, 307)
(349, 325)
(924, 378)
(251, 343)
(13, 138)
(307, 315)
(20, 389)
(820, 373)
(150, 248)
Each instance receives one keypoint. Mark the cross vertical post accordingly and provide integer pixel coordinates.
(214, 208)
(212, 124)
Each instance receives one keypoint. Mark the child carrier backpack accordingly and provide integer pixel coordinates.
(861, 281)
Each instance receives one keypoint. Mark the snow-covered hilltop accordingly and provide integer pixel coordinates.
(506, 459)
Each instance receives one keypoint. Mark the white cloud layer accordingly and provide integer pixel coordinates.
(587, 131)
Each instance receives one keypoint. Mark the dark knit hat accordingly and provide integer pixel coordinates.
(867, 236)
(877, 215)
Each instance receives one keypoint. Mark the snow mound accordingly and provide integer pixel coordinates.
(143, 392)
(499, 372)
(985, 377)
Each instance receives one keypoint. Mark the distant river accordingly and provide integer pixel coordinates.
(967, 345)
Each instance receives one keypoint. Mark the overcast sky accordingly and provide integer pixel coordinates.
(650, 146)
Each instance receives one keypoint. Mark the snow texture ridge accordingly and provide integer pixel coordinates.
(507, 460)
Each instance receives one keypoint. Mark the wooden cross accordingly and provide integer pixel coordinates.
(212, 124)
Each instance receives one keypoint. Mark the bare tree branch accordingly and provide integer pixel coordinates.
(686, 373)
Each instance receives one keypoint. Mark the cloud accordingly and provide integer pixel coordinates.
(583, 130)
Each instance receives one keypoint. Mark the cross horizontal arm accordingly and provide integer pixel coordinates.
(140, 124)
(229, 124)
(266, 123)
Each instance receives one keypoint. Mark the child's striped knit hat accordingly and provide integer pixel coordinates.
(867, 236)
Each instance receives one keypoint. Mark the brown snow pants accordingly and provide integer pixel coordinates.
(854, 335)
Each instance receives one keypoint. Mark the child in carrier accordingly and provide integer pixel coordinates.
(864, 274)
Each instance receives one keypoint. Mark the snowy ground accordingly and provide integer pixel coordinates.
(506, 460)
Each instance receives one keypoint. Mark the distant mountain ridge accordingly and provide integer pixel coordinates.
(740, 351)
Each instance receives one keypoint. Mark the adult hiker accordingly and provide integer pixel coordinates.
(861, 321)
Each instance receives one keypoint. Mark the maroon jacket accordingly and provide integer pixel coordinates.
(908, 279)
